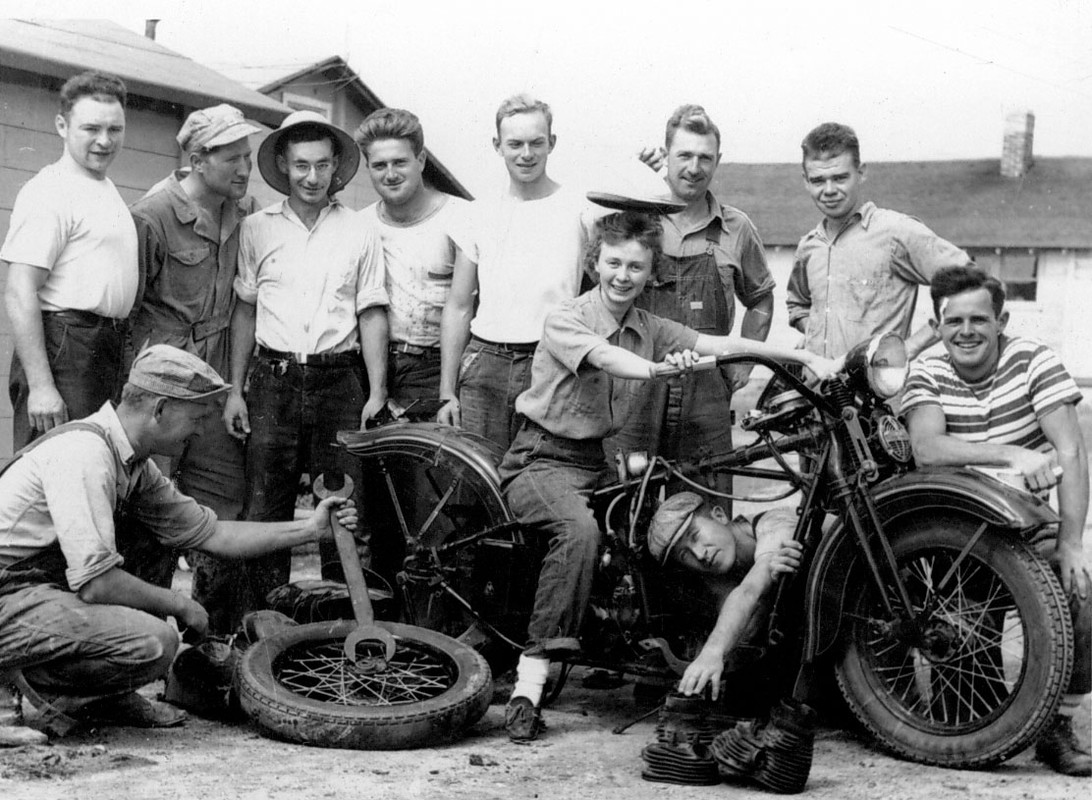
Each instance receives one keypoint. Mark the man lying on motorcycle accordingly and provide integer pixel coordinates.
(740, 562)
(592, 348)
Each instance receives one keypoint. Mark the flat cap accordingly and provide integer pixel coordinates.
(170, 372)
(670, 522)
(214, 127)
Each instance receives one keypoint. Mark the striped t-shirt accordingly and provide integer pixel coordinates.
(1004, 408)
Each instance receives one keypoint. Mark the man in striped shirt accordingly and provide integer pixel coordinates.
(1002, 401)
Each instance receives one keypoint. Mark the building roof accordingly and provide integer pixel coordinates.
(61, 48)
(336, 70)
(967, 202)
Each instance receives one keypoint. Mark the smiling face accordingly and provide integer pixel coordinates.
(834, 183)
(691, 163)
(395, 171)
(524, 142)
(623, 269)
(971, 332)
(93, 132)
(310, 167)
(708, 546)
(225, 170)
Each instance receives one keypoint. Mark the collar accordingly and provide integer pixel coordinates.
(283, 209)
(107, 416)
(606, 324)
(863, 214)
(188, 212)
(714, 211)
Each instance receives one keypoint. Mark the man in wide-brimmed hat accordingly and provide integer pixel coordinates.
(311, 296)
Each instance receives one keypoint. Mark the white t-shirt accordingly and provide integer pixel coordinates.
(79, 229)
(529, 256)
(419, 261)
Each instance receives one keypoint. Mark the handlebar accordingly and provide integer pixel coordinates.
(702, 364)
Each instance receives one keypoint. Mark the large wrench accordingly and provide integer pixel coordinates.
(366, 629)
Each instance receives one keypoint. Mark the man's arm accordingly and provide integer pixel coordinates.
(45, 407)
(724, 345)
(1063, 432)
(118, 587)
(920, 340)
(373, 329)
(755, 326)
(798, 295)
(454, 334)
(236, 417)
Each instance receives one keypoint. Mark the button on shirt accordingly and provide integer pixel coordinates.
(864, 281)
(571, 398)
(309, 285)
(66, 490)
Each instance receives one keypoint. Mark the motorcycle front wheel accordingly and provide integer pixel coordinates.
(982, 674)
(298, 686)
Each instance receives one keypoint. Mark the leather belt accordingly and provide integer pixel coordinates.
(342, 359)
(412, 349)
(511, 347)
(87, 319)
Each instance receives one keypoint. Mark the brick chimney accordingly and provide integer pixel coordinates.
(1016, 157)
(149, 28)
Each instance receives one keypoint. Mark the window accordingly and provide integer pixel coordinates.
(1017, 268)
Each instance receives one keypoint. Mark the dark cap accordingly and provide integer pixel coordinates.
(670, 522)
(170, 372)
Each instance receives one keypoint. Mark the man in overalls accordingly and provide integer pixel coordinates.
(712, 254)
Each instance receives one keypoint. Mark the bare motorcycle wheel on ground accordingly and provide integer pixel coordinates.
(299, 686)
(983, 674)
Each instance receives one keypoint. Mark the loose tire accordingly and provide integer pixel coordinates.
(297, 685)
(994, 660)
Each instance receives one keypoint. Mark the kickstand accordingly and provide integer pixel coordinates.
(627, 725)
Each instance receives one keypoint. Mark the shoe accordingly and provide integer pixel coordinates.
(1059, 750)
(522, 720)
(13, 733)
(131, 710)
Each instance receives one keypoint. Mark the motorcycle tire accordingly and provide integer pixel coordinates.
(994, 660)
(298, 686)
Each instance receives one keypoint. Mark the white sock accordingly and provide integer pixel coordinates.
(531, 675)
(1070, 704)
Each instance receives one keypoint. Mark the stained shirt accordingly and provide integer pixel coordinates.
(80, 230)
(1006, 406)
(309, 285)
(188, 263)
(419, 260)
(66, 490)
(568, 396)
(864, 281)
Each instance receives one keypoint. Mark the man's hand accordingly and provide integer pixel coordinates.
(1037, 468)
(346, 515)
(682, 360)
(655, 158)
(449, 413)
(1068, 562)
(236, 417)
(739, 375)
(192, 619)
(46, 409)
(705, 669)
(371, 408)
(784, 559)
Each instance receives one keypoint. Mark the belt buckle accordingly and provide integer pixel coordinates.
(301, 358)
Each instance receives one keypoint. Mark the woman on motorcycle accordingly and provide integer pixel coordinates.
(592, 350)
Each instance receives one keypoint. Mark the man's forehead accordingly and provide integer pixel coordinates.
(315, 150)
(976, 301)
(524, 123)
(693, 142)
(829, 162)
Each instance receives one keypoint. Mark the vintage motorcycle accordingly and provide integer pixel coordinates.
(950, 638)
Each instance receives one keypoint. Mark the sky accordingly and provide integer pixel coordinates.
(917, 80)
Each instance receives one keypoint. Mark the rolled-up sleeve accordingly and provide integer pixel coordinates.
(752, 281)
(370, 287)
(798, 293)
(568, 337)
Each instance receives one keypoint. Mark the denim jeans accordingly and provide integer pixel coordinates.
(490, 380)
(413, 377)
(295, 414)
(85, 358)
(548, 481)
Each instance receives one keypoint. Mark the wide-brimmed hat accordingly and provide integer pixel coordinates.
(168, 371)
(631, 186)
(348, 158)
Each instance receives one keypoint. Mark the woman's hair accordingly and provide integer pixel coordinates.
(625, 226)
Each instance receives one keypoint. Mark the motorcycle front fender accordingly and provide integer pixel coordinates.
(936, 490)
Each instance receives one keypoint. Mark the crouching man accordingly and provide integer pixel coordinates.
(1004, 401)
(86, 523)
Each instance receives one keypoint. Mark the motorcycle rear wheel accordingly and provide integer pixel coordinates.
(298, 685)
(988, 675)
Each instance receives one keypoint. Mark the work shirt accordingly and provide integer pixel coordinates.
(571, 398)
(79, 229)
(419, 260)
(66, 490)
(188, 262)
(864, 281)
(529, 256)
(309, 285)
(1003, 408)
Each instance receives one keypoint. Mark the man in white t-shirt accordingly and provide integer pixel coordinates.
(414, 221)
(520, 256)
(71, 251)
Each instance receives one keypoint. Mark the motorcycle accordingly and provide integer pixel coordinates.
(950, 638)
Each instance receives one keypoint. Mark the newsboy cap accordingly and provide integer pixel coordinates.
(212, 127)
(170, 372)
(670, 522)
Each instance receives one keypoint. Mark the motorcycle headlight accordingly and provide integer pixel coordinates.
(880, 363)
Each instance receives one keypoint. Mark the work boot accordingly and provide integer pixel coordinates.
(522, 720)
(1058, 749)
(13, 733)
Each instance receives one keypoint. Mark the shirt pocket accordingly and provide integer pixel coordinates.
(188, 276)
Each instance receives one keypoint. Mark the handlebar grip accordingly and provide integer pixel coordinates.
(702, 364)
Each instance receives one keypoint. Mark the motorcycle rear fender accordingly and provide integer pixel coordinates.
(949, 490)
